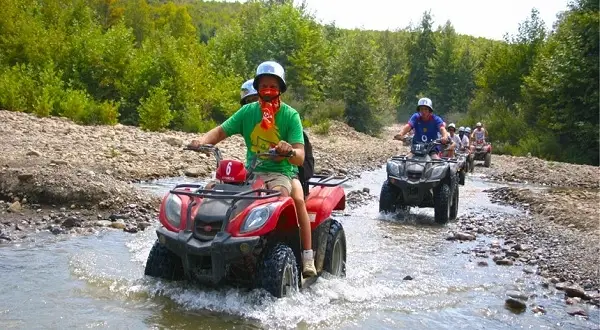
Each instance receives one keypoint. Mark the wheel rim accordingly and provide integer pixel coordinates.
(287, 281)
(337, 258)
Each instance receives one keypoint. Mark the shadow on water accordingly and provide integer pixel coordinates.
(97, 281)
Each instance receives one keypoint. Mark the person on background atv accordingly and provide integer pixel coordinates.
(248, 93)
(426, 124)
(479, 133)
(455, 142)
(468, 133)
(270, 123)
(464, 139)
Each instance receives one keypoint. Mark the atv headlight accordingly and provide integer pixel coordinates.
(173, 210)
(258, 217)
(393, 168)
(438, 171)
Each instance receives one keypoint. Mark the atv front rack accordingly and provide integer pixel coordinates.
(327, 181)
(433, 161)
(224, 194)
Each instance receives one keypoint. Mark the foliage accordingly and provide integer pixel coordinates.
(179, 65)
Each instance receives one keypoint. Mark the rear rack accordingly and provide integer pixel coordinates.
(224, 194)
(327, 181)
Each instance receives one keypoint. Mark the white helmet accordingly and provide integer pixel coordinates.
(271, 68)
(452, 126)
(478, 124)
(468, 130)
(247, 90)
(461, 129)
(425, 102)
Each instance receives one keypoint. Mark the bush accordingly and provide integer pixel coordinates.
(322, 128)
(106, 113)
(154, 110)
(74, 105)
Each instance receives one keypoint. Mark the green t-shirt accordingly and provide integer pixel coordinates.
(288, 127)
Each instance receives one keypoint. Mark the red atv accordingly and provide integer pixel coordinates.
(239, 232)
(480, 150)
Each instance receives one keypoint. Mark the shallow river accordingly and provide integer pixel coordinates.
(98, 282)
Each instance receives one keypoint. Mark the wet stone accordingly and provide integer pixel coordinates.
(504, 262)
(539, 310)
(575, 291)
(482, 263)
(576, 310)
(517, 295)
(515, 305)
(407, 278)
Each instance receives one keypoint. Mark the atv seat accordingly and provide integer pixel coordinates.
(307, 170)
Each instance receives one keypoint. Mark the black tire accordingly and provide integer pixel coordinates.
(461, 175)
(388, 199)
(454, 204)
(488, 160)
(442, 203)
(164, 264)
(471, 163)
(278, 273)
(335, 254)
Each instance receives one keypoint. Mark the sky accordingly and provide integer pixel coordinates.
(480, 18)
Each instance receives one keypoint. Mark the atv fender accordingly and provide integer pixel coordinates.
(322, 201)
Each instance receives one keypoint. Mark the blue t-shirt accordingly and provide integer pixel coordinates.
(425, 131)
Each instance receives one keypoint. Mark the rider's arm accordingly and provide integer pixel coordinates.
(405, 129)
(444, 132)
(214, 136)
(298, 158)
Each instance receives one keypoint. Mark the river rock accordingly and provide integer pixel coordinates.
(130, 229)
(462, 236)
(195, 172)
(482, 263)
(173, 141)
(24, 177)
(576, 310)
(15, 207)
(575, 291)
(517, 295)
(561, 285)
(504, 262)
(515, 305)
(143, 225)
(33, 152)
(539, 310)
(71, 222)
(407, 278)
(103, 223)
(118, 225)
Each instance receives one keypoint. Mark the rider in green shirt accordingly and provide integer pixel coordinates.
(266, 124)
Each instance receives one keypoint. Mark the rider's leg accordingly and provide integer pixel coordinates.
(285, 185)
(308, 261)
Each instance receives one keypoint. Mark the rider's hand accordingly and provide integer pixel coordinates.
(283, 148)
(195, 144)
(444, 140)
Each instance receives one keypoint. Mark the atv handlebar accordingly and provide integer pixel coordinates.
(224, 194)
(206, 148)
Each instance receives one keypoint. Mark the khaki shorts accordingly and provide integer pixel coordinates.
(276, 180)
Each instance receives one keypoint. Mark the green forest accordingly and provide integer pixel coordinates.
(179, 65)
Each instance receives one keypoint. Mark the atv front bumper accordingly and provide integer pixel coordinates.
(206, 262)
(415, 192)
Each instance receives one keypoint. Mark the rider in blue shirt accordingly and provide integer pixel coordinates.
(426, 124)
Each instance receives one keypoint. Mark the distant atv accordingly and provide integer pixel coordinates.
(480, 151)
(240, 232)
(423, 182)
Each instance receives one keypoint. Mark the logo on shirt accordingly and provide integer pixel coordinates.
(263, 139)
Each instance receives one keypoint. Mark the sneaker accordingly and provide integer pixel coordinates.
(308, 264)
